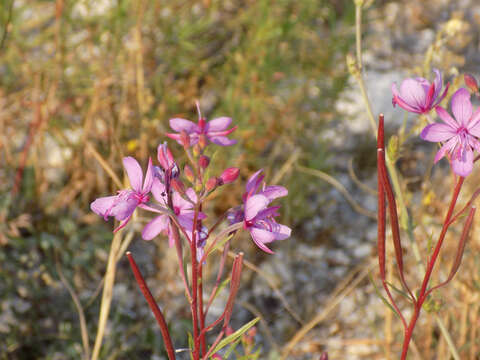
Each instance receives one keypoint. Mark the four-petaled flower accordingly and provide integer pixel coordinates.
(122, 205)
(418, 95)
(182, 208)
(214, 131)
(459, 133)
(258, 217)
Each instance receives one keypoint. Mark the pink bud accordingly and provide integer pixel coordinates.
(211, 184)
(229, 175)
(185, 139)
(203, 161)
(177, 185)
(324, 356)
(165, 157)
(471, 83)
(187, 170)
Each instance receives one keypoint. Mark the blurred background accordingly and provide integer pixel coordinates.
(85, 81)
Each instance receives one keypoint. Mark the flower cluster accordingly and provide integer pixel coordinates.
(458, 134)
(164, 193)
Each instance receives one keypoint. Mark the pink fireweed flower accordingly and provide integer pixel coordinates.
(418, 95)
(259, 219)
(214, 131)
(183, 211)
(122, 205)
(459, 134)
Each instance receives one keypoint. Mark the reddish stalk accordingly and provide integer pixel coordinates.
(194, 304)
(227, 313)
(430, 265)
(153, 306)
(201, 309)
(381, 221)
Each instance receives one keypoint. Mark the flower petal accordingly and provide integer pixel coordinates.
(461, 106)
(437, 132)
(440, 99)
(281, 231)
(179, 124)
(447, 147)
(102, 206)
(159, 192)
(180, 203)
(474, 123)
(274, 191)
(397, 100)
(155, 227)
(447, 119)
(463, 164)
(218, 124)
(222, 140)
(134, 172)
(261, 237)
(438, 83)
(254, 204)
(191, 194)
(149, 176)
(254, 182)
(413, 94)
(124, 209)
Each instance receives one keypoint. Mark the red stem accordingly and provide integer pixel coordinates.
(430, 265)
(201, 309)
(153, 306)
(194, 304)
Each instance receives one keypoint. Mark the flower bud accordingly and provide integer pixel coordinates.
(229, 175)
(165, 157)
(177, 185)
(203, 161)
(185, 139)
(187, 170)
(471, 83)
(324, 356)
(211, 184)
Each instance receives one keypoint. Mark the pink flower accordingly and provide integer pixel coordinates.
(214, 130)
(183, 210)
(418, 95)
(259, 219)
(122, 205)
(459, 134)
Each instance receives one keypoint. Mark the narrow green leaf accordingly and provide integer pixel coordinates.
(235, 335)
(379, 294)
(221, 287)
(232, 348)
(220, 243)
(401, 292)
(191, 344)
